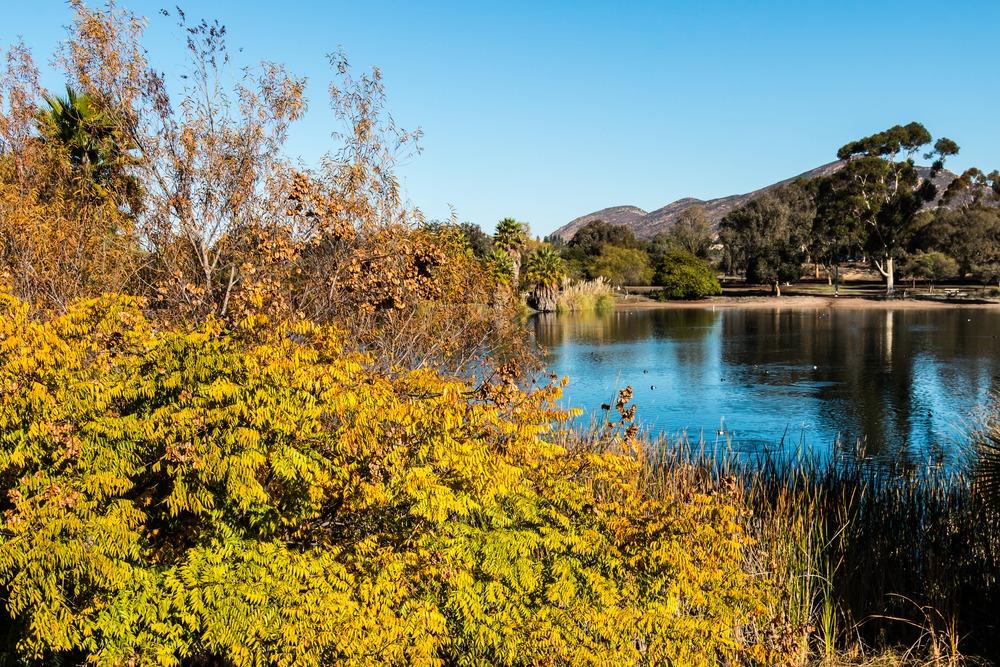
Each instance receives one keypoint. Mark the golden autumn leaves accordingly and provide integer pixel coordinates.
(262, 494)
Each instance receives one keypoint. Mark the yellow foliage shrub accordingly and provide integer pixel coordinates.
(261, 496)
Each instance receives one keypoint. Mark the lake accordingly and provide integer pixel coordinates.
(902, 383)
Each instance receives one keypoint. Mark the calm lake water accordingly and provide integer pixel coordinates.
(907, 383)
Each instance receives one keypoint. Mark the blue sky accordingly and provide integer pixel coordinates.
(546, 111)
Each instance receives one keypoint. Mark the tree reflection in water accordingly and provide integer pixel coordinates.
(902, 382)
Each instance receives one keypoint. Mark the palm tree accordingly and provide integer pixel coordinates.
(511, 237)
(500, 265)
(544, 273)
(97, 150)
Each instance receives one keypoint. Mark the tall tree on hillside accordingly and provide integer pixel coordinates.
(511, 237)
(979, 185)
(882, 191)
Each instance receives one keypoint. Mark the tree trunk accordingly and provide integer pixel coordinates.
(776, 288)
(515, 262)
(543, 299)
(887, 273)
(816, 270)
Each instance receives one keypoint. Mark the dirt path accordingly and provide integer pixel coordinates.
(843, 302)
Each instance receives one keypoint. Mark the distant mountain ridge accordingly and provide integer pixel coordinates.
(645, 224)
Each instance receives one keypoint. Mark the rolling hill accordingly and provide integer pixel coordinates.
(647, 224)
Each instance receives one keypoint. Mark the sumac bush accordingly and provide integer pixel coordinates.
(252, 493)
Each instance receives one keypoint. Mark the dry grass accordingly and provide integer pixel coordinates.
(587, 295)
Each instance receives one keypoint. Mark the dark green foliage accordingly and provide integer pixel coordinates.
(932, 266)
(836, 232)
(96, 147)
(478, 240)
(684, 276)
(898, 138)
(557, 242)
(970, 235)
(510, 235)
(592, 237)
(765, 239)
(87, 132)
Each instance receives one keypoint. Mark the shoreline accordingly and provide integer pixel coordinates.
(805, 302)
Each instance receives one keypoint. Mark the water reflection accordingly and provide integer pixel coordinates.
(903, 381)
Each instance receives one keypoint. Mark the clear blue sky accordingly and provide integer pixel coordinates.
(546, 111)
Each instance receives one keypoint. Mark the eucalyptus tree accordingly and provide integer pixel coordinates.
(765, 240)
(836, 232)
(971, 232)
(881, 191)
(692, 232)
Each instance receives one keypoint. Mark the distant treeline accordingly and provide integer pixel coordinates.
(880, 208)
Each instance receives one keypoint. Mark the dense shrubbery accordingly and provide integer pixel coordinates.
(259, 495)
(684, 276)
(600, 250)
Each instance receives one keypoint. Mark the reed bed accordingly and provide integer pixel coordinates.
(586, 295)
(863, 557)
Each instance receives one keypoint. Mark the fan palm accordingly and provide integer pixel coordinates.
(544, 273)
(511, 237)
(97, 150)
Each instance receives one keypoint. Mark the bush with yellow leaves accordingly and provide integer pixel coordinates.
(257, 495)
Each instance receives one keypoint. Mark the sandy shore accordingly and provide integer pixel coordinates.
(843, 302)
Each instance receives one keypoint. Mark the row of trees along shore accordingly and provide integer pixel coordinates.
(254, 413)
(879, 207)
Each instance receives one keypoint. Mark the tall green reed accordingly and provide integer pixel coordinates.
(862, 554)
